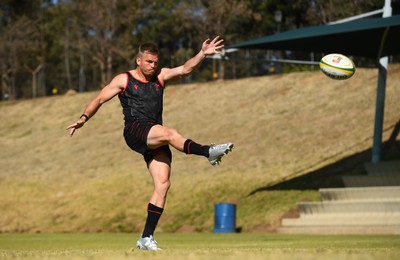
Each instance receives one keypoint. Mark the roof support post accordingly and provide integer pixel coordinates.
(380, 109)
(381, 92)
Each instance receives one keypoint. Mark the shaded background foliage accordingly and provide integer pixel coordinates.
(70, 45)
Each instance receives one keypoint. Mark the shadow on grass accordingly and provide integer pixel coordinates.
(331, 176)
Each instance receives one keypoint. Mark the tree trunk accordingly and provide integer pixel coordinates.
(35, 80)
(66, 56)
(42, 81)
(103, 73)
(109, 68)
(82, 77)
(13, 88)
(5, 85)
(221, 69)
(2, 87)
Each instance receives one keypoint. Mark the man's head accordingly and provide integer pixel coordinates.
(147, 59)
(148, 48)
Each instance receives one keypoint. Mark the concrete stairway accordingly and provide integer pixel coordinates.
(372, 209)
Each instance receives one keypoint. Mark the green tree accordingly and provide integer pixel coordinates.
(21, 49)
(223, 18)
(103, 32)
(80, 45)
(20, 53)
(322, 11)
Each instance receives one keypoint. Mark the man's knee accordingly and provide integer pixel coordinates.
(166, 185)
(163, 187)
(170, 134)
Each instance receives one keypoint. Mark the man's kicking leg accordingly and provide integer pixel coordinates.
(162, 135)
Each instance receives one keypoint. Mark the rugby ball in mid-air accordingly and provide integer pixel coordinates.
(337, 66)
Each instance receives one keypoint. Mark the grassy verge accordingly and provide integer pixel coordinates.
(198, 246)
(283, 127)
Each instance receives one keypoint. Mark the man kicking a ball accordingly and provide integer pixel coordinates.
(141, 96)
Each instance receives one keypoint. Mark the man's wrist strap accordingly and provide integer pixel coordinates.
(85, 116)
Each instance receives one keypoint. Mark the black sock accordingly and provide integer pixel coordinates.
(191, 147)
(153, 215)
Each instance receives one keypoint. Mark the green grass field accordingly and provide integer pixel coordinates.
(199, 246)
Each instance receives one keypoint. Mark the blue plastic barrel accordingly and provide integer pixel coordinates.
(225, 218)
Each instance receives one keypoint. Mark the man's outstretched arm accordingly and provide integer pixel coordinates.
(208, 48)
(108, 92)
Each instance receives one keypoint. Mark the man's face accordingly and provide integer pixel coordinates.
(147, 63)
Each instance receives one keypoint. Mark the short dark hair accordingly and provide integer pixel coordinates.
(148, 47)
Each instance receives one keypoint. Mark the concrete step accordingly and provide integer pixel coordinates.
(369, 205)
(388, 167)
(360, 193)
(376, 219)
(372, 180)
(353, 206)
(339, 230)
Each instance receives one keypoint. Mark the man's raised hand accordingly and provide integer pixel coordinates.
(212, 47)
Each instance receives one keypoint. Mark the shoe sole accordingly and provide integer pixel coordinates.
(227, 150)
(146, 249)
(141, 246)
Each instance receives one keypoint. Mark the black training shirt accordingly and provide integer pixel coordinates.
(142, 100)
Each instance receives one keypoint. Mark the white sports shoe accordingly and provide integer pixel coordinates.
(147, 243)
(217, 151)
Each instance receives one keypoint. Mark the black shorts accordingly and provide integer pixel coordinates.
(135, 134)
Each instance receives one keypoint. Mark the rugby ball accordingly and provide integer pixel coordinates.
(337, 66)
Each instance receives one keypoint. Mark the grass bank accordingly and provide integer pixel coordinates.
(283, 127)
